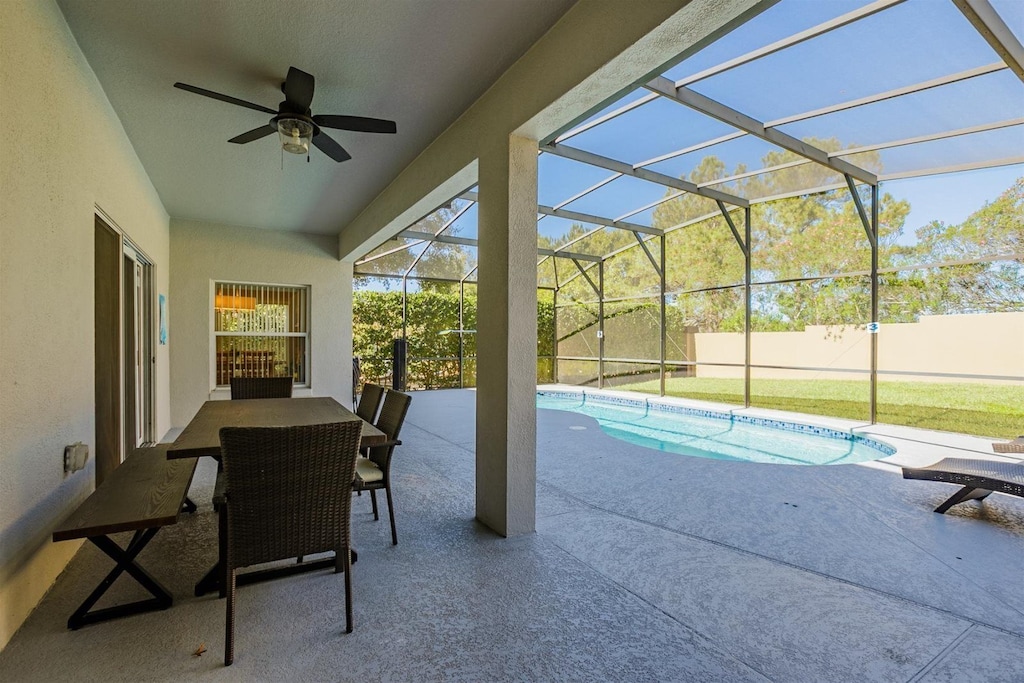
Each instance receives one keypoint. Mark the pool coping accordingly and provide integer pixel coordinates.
(668, 404)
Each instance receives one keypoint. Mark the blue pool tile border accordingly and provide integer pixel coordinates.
(647, 404)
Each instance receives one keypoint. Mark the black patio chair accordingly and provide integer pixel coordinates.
(261, 387)
(287, 493)
(369, 401)
(373, 472)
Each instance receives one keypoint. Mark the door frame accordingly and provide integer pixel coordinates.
(111, 421)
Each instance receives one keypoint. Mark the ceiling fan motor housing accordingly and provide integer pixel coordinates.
(294, 122)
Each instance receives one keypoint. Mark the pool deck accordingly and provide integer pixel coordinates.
(645, 566)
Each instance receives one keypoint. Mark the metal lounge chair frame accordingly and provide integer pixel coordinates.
(978, 478)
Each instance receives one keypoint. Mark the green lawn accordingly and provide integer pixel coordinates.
(990, 410)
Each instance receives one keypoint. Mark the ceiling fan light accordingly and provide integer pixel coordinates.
(295, 135)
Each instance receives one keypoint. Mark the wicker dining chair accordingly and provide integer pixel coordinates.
(373, 472)
(261, 387)
(287, 492)
(369, 401)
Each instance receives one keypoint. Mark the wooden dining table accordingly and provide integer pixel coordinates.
(201, 437)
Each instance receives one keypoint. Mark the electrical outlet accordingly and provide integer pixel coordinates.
(75, 456)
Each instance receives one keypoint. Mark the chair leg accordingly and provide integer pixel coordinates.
(391, 511)
(966, 493)
(222, 549)
(229, 632)
(373, 499)
(348, 589)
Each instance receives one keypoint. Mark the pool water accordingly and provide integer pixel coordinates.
(722, 436)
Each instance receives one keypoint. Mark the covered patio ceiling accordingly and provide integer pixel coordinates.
(420, 64)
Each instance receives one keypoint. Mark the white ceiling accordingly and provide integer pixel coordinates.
(418, 62)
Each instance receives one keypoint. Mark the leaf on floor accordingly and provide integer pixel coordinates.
(199, 650)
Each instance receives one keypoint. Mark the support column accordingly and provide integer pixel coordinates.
(506, 414)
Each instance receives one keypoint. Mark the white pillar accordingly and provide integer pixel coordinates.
(506, 416)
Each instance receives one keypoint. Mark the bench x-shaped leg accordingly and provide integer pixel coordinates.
(125, 559)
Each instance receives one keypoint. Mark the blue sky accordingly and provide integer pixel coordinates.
(949, 198)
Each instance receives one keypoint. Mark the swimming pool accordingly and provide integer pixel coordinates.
(715, 434)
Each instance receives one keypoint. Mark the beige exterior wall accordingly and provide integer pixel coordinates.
(203, 253)
(984, 344)
(63, 153)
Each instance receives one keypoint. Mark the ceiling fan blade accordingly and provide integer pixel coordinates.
(254, 134)
(298, 89)
(224, 98)
(357, 123)
(331, 148)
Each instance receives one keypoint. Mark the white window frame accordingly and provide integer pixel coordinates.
(224, 391)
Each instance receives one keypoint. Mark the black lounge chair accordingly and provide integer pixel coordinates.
(978, 478)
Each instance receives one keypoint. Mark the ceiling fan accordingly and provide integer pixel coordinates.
(293, 121)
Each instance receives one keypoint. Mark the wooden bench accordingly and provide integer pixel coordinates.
(143, 494)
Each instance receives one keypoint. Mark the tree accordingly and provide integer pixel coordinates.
(806, 236)
(996, 229)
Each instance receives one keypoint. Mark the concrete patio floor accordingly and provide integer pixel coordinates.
(646, 566)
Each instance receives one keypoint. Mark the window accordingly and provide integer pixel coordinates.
(260, 330)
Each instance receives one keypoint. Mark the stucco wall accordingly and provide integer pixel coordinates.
(63, 153)
(982, 344)
(205, 252)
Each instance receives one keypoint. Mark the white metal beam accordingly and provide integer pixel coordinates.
(471, 242)
(596, 186)
(717, 110)
(692, 148)
(993, 29)
(795, 39)
(756, 172)
(444, 239)
(890, 94)
(939, 170)
(569, 255)
(870, 99)
(628, 107)
(642, 173)
(657, 202)
(929, 138)
(596, 220)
